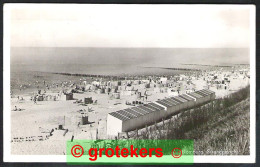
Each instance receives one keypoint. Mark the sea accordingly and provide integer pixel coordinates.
(122, 61)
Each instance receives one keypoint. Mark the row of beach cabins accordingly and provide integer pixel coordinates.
(147, 114)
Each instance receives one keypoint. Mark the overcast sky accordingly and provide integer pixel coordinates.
(172, 26)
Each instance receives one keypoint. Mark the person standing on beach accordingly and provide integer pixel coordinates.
(34, 100)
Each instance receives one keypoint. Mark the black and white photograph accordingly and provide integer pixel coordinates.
(122, 72)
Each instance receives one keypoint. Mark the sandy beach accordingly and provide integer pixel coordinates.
(32, 125)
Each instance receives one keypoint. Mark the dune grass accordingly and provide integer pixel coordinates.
(220, 127)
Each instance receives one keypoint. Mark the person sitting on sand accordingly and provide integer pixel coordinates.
(17, 109)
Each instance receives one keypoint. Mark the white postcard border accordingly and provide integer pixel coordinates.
(62, 158)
